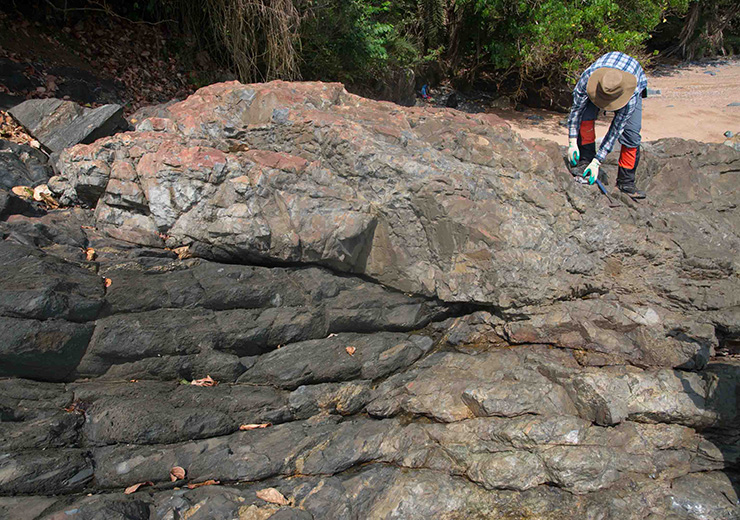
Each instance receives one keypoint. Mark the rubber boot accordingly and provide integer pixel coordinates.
(587, 142)
(586, 147)
(629, 158)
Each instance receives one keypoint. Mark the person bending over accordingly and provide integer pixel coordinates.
(613, 83)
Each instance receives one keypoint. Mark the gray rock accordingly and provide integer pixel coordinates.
(370, 356)
(22, 165)
(518, 454)
(60, 233)
(338, 398)
(345, 304)
(44, 472)
(45, 350)
(451, 387)
(614, 394)
(351, 194)
(38, 286)
(163, 413)
(516, 350)
(103, 507)
(10, 204)
(25, 506)
(52, 431)
(59, 124)
(608, 333)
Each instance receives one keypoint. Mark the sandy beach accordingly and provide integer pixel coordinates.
(693, 104)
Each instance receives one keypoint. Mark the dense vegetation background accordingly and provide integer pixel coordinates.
(527, 46)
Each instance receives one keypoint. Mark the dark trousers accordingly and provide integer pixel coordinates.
(629, 156)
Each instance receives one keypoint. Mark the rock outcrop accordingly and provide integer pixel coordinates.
(59, 124)
(411, 313)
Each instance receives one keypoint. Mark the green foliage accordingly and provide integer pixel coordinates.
(432, 16)
(354, 40)
(556, 39)
(363, 42)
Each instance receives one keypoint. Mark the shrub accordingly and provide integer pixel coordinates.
(554, 40)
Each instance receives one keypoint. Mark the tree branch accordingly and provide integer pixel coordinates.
(104, 9)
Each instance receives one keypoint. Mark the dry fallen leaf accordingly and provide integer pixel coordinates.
(206, 483)
(33, 143)
(50, 201)
(332, 335)
(108, 281)
(245, 427)
(183, 252)
(350, 350)
(39, 191)
(132, 489)
(177, 473)
(23, 192)
(134, 381)
(90, 254)
(206, 381)
(273, 496)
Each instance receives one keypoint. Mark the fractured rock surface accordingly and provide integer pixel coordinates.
(59, 124)
(410, 313)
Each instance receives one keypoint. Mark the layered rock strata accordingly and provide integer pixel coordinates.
(432, 319)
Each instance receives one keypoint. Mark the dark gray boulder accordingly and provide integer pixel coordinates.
(22, 165)
(59, 124)
(45, 472)
(46, 350)
(340, 358)
(39, 286)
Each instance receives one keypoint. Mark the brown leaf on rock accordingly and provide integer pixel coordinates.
(206, 483)
(247, 427)
(132, 489)
(273, 496)
(39, 192)
(108, 282)
(12, 131)
(50, 201)
(90, 254)
(183, 252)
(77, 406)
(23, 192)
(177, 473)
(350, 350)
(206, 381)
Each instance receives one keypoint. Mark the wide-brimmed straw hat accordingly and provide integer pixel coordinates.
(610, 89)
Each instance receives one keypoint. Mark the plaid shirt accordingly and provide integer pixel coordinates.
(615, 60)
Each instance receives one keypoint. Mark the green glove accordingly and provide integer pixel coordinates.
(592, 171)
(573, 153)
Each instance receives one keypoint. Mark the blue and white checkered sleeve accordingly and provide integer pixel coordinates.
(580, 99)
(615, 129)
